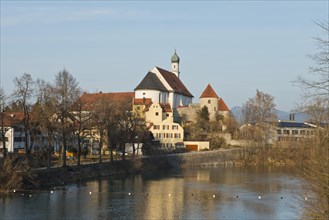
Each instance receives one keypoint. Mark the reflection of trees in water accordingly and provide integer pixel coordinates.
(210, 193)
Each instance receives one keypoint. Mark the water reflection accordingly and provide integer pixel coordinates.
(212, 193)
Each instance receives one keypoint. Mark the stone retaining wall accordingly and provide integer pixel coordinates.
(226, 157)
(59, 176)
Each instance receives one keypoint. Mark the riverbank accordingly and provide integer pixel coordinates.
(223, 157)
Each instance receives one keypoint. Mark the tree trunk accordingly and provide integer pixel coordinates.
(64, 149)
(79, 149)
(134, 150)
(48, 156)
(4, 147)
(109, 141)
(3, 135)
(123, 156)
(111, 149)
(100, 145)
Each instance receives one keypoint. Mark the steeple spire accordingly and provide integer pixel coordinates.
(175, 64)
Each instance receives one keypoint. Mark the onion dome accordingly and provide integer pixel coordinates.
(175, 58)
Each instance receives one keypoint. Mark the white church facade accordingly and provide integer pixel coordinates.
(163, 86)
(165, 92)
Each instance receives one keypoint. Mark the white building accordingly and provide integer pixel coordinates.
(15, 135)
(162, 92)
(162, 126)
(163, 86)
(294, 131)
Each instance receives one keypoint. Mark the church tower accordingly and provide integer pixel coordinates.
(175, 64)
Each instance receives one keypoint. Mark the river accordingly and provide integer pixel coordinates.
(202, 193)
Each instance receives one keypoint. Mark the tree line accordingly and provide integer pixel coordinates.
(55, 110)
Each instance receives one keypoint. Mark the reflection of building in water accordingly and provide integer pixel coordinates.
(165, 198)
(203, 176)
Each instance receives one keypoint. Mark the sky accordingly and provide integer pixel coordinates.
(109, 46)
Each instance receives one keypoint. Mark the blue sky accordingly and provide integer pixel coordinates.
(109, 46)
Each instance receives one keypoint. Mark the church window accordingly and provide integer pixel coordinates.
(208, 101)
(144, 93)
(157, 113)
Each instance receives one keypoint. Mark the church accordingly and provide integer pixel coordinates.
(163, 100)
(163, 86)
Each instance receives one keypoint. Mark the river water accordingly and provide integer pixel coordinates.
(203, 193)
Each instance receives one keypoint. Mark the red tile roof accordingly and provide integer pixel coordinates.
(175, 83)
(90, 98)
(222, 106)
(165, 107)
(209, 92)
(145, 101)
(12, 118)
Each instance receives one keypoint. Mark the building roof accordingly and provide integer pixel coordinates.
(174, 82)
(222, 105)
(13, 118)
(90, 98)
(293, 124)
(152, 82)
(144, 101)
(165, 107)
(209, 93)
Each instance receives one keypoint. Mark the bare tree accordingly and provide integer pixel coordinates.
(260, 111)
(23, 94)
(316, 104)
(66, 92)
(44, 111)
(114, 121)
(318, 85)
(4, 129)
(231, 124)
(82, 124)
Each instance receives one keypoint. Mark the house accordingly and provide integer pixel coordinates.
(90, 101)
(162, 126)
(140, 106)
(15, 135)
(294, 131)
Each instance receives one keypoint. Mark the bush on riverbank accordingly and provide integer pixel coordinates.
(16, 173)
(274, 156)
(316, 174)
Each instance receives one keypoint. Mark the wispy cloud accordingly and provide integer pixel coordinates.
(14, 16)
